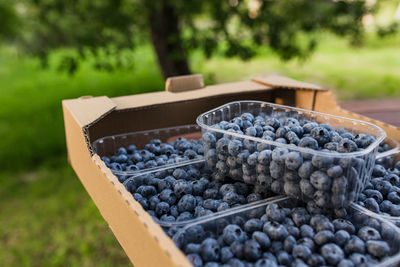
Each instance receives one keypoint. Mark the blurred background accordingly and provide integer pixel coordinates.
(57, 49)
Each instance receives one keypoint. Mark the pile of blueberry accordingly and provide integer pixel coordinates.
(187, 192)
(382, 192)
(153, 155)
(329, 181)
(278, 236)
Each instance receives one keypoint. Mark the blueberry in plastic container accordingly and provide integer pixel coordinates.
(354, 240)
(294, 145)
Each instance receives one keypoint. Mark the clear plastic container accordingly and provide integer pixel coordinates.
(305, 174)
(109, 145)
(213, 225)
(193, 173)
(388, 159)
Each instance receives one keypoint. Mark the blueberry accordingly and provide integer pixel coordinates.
(332, 253)
(241, 188)
(358, 259)
(320, 180)
(308, 142)
(211, 204)
(195, 259)
(253, 159)
(339, 185)
(382, 186)
(253, 225)
(305, 170)
(192, 248)
(284, 258)
(275, 230)
(273, 122)
(231, 198)
(210, 250)
(253, 197)
(262, 239)
(332, 146)
(292, 189)
(306, 188)
(293, 230)
(300, 216)
(355, 244)
(363, 140)
(393, 179)
(226, 254)
(378, 249)
(281, 140)
(324, 225)
(264, 157)
(346, 145)
(322, 162)
(293, 160)
(276, 170)
(368, 233)
(184, 216)
(282, 131)
(187, 203)
(252, 250)
(276, 246)
(289, 243)
(385, 206)
(275, 213)
(235, 147)
(371, 204)
(343, 224)
(233, 233)
(153, 202)
(316, 260)
(345, 263)
(320, 134)
(292, 137)
(309, 126)
(394, 197)
(182, 187)
(308, 242)
(162, 208)
(237, 249)
(301, 252)
(146, 190)
(335, 171)
(279, 155)
(378, 171)
(306, 231)
(324, 237)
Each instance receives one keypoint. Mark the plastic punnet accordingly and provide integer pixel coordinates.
(108, 146)
(214, 225)
(306, 174)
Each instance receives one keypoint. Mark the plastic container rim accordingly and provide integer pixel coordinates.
(100, 140)
(378, 140)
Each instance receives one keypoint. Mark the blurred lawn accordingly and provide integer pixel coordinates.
(46, 216)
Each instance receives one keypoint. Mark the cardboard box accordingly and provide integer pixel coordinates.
(89, 118)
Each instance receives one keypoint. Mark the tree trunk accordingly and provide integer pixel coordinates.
(166, 39)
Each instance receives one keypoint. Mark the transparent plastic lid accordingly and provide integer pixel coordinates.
(228, 111)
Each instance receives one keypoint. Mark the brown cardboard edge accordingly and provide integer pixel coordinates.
(124, 217)
(154, 229)
(184, 83)
(279, 81)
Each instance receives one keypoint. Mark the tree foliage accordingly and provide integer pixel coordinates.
(177, 27)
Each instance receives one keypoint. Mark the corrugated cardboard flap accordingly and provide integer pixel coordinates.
(184, 83)
(278, 81)
(87, 110)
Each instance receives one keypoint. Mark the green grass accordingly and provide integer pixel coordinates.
(371, 71)
(47, 219)
(46, 216)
